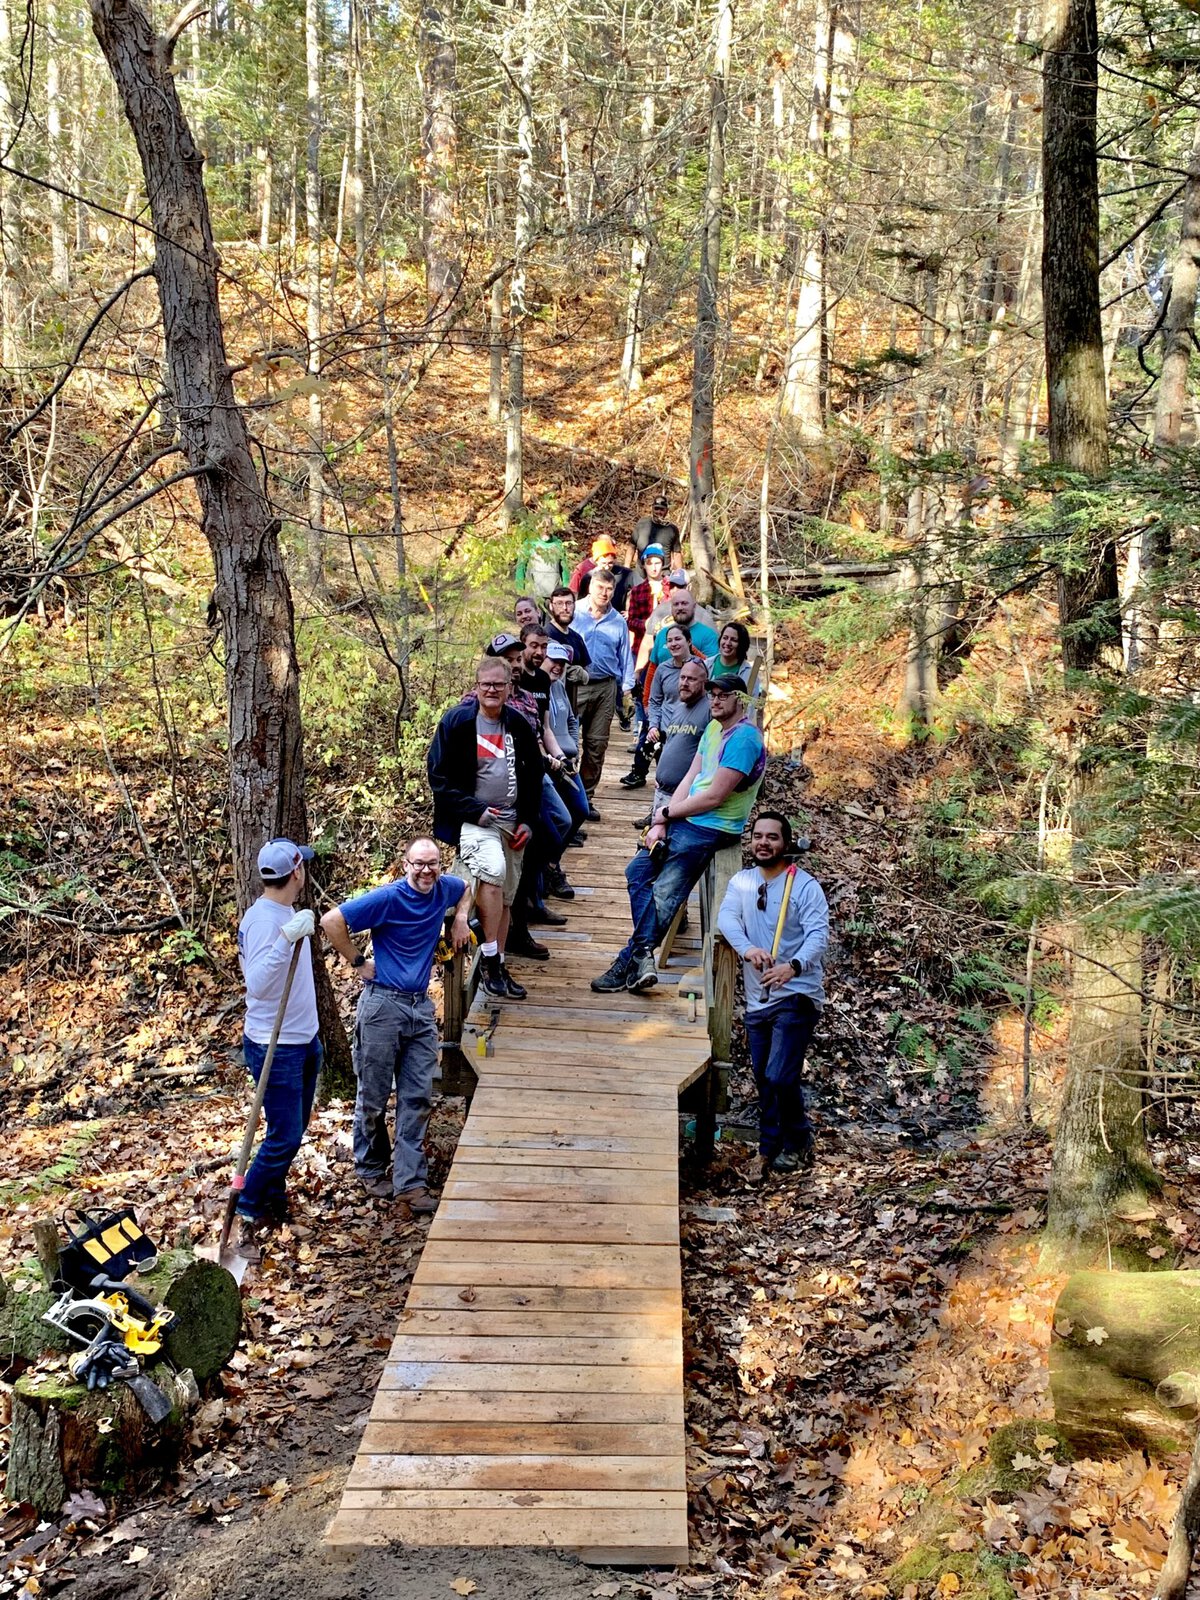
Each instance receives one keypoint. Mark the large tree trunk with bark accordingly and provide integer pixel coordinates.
(704, 358)
(252, 593)
(312, 286)
(1101, 1169)
(439, 151)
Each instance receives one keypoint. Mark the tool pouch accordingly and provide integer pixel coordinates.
(111, 1244)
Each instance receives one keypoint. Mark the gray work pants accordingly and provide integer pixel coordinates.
(595, 704)
(395, 1046)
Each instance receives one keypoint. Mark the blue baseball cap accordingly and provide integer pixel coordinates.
(654, 550)
(279, 858)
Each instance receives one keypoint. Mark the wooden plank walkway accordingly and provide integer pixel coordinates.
(534, 1391)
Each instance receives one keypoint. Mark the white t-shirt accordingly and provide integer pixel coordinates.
(265, 959)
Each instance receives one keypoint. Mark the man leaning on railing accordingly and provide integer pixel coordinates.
(707, 810)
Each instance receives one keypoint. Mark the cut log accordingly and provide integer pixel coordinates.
(208, 1309)
(1123, 1334)
(64, 1438)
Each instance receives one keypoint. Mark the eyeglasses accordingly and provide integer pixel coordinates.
(424, 866)
(491, 688)
(726, 694)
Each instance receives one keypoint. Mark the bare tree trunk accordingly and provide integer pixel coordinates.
(920, 673)
(564, 134)
(496, 295)
(358, 137)
(704, 360)
(312, 321)
(1150, 546)
(252, 594)
(266, 183)
(10, 213)
(79, 127)
(514, 474)
(60, 260)
(439, 150)
(639, 255)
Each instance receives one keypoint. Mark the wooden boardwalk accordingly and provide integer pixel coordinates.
(533, 1394)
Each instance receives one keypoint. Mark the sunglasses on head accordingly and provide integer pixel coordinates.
(762, 897)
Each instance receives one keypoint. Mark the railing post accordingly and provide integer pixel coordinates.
(720, 983)
(459, 976)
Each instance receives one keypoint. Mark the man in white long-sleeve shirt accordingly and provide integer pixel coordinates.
(266, 936)
(782, 964)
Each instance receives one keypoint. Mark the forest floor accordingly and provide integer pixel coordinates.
(853, 1339)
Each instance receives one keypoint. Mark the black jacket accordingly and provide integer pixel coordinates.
(452, 771)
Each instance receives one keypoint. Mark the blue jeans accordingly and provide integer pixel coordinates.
(555, 819)
(574, 796)
(655, 896)
(395, 1046)
(287, 1106)
(778, 1036)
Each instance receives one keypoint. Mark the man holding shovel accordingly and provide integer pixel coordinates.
(268, 933)
(395, 1035)
(777, 919)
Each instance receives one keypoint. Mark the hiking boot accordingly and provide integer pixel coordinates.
(578, 842)
(633, 780)
(794, 1160)
(377, 1188)
(250, 1235)
(624, 723)
(419, 1201)
(557, 885)
(612, 981)
(515, 990)
(593, 814)
(540, 912)
(491, 979)
(643, 973)
(521, 943)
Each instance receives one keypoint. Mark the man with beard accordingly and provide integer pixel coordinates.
(777, 919)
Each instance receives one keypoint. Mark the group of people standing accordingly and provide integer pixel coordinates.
(513, 770)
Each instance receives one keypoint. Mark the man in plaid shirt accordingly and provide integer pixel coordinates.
(643, 597)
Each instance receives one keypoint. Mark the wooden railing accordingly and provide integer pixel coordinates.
(460, 980)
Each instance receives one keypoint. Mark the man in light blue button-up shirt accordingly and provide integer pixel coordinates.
(777, 919)
(610, 673)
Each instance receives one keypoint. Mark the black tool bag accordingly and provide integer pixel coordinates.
(109, 1245)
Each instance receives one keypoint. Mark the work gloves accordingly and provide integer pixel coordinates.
(302, 926)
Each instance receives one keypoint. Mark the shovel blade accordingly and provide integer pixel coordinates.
(230, 1258)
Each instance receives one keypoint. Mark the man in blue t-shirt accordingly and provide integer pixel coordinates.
(395, 1036)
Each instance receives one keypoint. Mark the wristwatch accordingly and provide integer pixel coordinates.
(666, 813)
(359, 961)
(797, 967)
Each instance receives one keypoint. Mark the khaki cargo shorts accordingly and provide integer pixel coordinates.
(490, 858)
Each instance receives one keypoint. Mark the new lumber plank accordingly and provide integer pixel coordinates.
(526, 1469)
(555, 1424)
(551, 1377)
(600, 1498)
(530, 1349)
(641, 1537)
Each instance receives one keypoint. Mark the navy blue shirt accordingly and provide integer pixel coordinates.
(405, 926)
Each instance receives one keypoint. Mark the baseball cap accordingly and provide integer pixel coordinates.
(603, 546)
(660, 500)
(654, 550)
(557, 652)
(729, 681)
(501, 643)
(279, 858)
(678, 580)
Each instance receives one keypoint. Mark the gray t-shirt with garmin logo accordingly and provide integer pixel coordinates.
(495, 771)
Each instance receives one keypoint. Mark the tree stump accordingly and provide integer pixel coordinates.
(24, 1337)
(1128, 1331)
(65, 1438)
(208, 1308)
